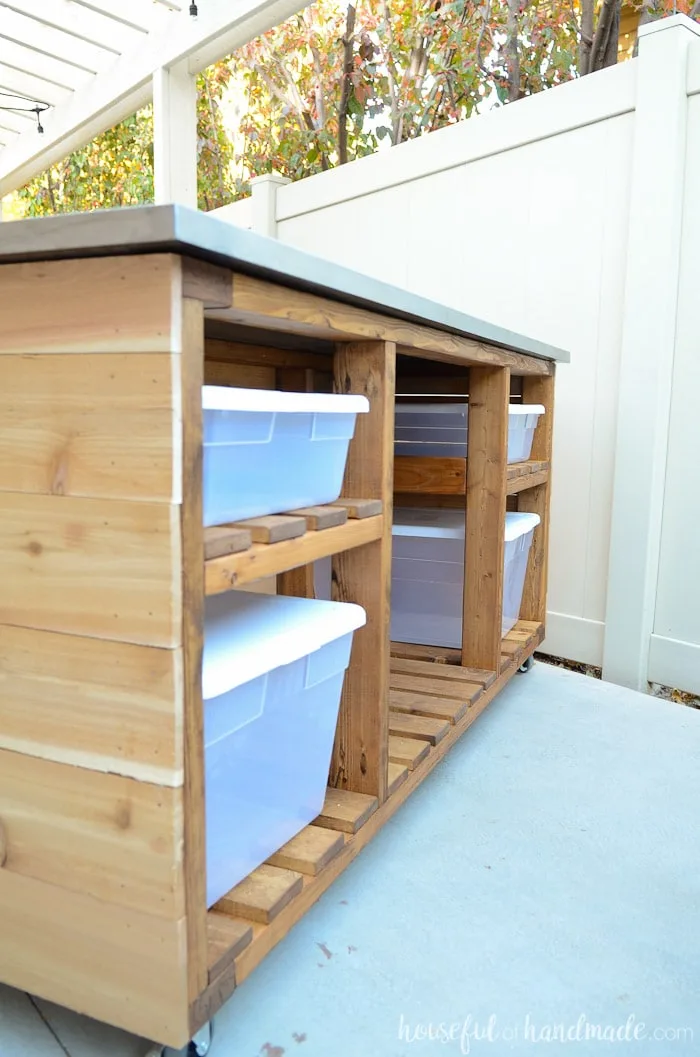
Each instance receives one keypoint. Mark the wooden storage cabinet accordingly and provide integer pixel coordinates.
(102, 357)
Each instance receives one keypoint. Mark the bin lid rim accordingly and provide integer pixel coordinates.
(437, 523)
(225, 398)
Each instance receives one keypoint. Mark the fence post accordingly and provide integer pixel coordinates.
(647, 351)
(264, 203)
(175, 136)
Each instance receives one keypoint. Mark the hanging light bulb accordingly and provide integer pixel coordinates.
(193, 10)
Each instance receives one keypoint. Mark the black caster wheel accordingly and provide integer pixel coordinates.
(527, 665)
(198, 1046)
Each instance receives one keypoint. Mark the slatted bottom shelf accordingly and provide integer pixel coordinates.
(432, 702)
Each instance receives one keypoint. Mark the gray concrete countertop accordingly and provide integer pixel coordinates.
(175, 229)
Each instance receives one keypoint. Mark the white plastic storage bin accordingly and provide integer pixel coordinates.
(442, 429)
(267, 452)
(272, 675)
(427, 574)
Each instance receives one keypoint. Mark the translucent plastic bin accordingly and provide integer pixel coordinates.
(427, 574)
(272, 675)
(267, 452)
(442, 430)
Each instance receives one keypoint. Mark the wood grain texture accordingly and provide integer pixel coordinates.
(262, 895)
(191, 584)
(265, 356)
(100, 834)
(489, 390)
(262, 559)
(360, 755)
(206, 282)
(537, 501)
(321, 517)
(239, 375)
(109, 706)
(424, 728)
(105, 568)
(345, 810)
(452, 672)
(444, 688)
(360, 508)
(117, 965)
(435, 476)
(309, 851)
(220, 540)
(297, 583)
(273, 528)
(226, 937)
(398, 774)
(90, 425)
(418, 704)
(259, 303)
(408, 752)
(106, 304)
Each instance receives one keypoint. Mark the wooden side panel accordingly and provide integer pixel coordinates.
(242, 375)
(118, 965)
(537, 501)
(107, 304)
(88, 425)
(192, 573)
(363, 575)
(486, 510)
(106, 705)
(110, 837)
(98, 567)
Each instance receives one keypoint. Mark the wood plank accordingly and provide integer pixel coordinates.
(226, 938)
(530, 480)
(105, 568)
(489, 390)
(418, 704)
(265, 355)
(274, 528)
(114, 964)
(90, 425)
(537, 501)
(360, 508)
(206, 282)
(346, 811)
(429, 687)
(100, 834)
(452, 672)
(236, 570)
(266, 939)
(432, 654)
(105, 705)
(105, 304)
(220, 540)
(398, 773)
(407, 751)
(436, 476)
(424, 728)
(191, 585)
(364, 575)
(239, 375)
(262, 895)
(297, 583)
(309, 851)
(321, 517)
(259, 303)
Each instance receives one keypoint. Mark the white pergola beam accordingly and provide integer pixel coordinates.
(40, 65)
(126, 85)
(175, 135)
(139, 14)
(12, 80)
(81, 22)
(50, 41)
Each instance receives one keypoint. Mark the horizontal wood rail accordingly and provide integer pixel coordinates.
(425, 475)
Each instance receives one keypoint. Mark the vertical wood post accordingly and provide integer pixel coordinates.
(297, 582)
(363, 575)
(537, 500)
(487, 453)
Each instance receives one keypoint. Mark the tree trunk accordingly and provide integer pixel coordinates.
(347, 85)
(605, 41)
(586, 37)
(512, 52)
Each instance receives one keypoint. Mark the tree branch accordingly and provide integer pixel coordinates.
(391, 74)
(604, 48)
(585, 37)
(348, 41)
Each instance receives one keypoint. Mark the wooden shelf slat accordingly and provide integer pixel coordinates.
(220, 540)
(235, 570)
(398, 773)
(227, 937)
(455, 673)
(273, 528)
(309, 851)
(407, 751)
(346, 811)
(428, 475)
(360, 508)
(464, 692)
(261, 895)
(423, 728)
(321, 517)
(417, 704)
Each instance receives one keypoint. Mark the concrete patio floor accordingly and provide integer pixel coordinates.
(544, 880)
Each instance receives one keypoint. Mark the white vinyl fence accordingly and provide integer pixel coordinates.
(574, 217)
